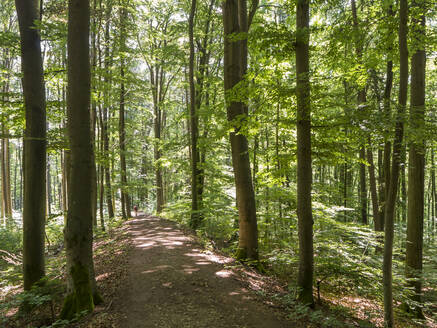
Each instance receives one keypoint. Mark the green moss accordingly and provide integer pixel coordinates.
(241, 254)
(81, 299)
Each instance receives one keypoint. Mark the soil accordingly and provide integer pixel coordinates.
(172, 282)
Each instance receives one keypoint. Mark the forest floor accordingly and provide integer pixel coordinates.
(152, 272)
(166, 278)
(172, 282)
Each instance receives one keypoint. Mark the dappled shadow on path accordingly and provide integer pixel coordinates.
(172, 282)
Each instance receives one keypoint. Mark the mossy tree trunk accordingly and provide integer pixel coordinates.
(34, 143)
(79, 226)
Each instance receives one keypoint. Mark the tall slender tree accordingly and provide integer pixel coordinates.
(395, 167)
(361, 99)
(416, 156)
(34, 208)
(125, 200)
(304, 167)
(105, 110)
(194, 127)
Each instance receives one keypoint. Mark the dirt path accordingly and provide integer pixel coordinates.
(173, 283)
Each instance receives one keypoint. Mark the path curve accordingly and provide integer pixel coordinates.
(172, 283)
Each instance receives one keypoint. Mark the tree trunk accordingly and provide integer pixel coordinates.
(395, 167)
(34, 143)
(361, 100)
(105, 131)
(49, 187)
(93, 123)
(433, 195)
(5, 170)
(196, 217)
(248, 237)
(79, 228)
(304, 170)
(385, 176)
(122, 133)
(5, 158)
(416, 163)
(373, 188)
(158, 168)
(363, 185)
(101, 174)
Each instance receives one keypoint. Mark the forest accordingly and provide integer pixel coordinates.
(297, 138)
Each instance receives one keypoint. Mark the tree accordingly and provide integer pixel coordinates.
(304, 170)
(416, 165)
(361, 99)
(194, 128)
(105, 110)
(199, 94)
(233, 75)
(125, 200)
(34, 143)
(395, 167)
(82, 294)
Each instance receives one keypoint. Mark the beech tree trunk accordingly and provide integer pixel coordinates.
(34, 143)
(373, 188)
(194, 127)
(82, 294)
(197, 155)
(6, 177)
(304, 165)
(105, 131)
(126, 207)
(395, 167)
(385, 176)
(433, 195)
(416, 164)
(361, 99)
(233, 74)
(93, 123)
(5, 149)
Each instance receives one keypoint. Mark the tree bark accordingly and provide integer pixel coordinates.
(105, 131)
(194, 127)
(236, 112)
(373, 188)
(82, 294)
(361, 99)
(126, 207)
(93, 114)
(304, 169)
(416, 164)
(395, 167)
(433, 195)
(385, 176)
(34, 143)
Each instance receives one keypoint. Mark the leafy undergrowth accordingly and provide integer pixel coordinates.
(347, 277)
(43, 303)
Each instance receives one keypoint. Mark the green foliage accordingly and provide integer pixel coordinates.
(10, 237)
(43, 292)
